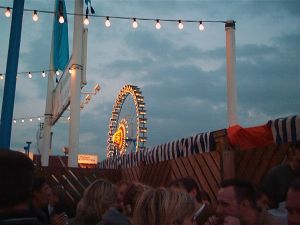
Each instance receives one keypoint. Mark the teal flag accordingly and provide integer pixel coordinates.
(61, 42)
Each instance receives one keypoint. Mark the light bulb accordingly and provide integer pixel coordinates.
(39, 119)
(134, 23)
(29, 75)
(1, 77)
(7, 12)
(180, 25)
(70, 70)
(107, 22)
(69, 117)
(43, 74)
(22, 120)
(35, 16)
(61, 19)
(86, 20)
(157, 25)
(57, 72)
(201, 26)
(30, 120)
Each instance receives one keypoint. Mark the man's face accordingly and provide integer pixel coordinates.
(42, 196)
(294, 160)
(293, 207)
(227, 203)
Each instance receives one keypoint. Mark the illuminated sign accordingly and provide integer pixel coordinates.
(119, 137)
(87, 159)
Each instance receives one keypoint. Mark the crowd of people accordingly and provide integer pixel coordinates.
(26, 199)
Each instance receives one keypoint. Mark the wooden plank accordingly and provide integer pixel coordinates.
(175, 170)
(212, 181)
(201, 176)
(250, 169)
(216, 171)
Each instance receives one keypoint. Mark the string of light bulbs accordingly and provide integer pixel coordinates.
(43, 73)
(32, 119)
(107, 22)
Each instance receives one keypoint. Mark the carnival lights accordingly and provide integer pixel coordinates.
(7, 12)
(35, 16)
(107, 23)
(134, 23)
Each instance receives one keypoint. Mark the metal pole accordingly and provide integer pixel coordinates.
(231, 82)
(46, 142)
(11, 74)
(75, 86)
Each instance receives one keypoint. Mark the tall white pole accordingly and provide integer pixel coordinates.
(75, 85)
(46, 145)
(231, 69)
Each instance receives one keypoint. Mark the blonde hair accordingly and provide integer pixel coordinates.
(97, 199)
(162, 207)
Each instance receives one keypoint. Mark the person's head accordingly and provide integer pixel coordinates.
(96, 200)
(163, 207)
(293, 203)
(294, 157)
(188, 185)
(122, 187)
(41, 192)
(236, 198)
(131, 197)
(16, 175)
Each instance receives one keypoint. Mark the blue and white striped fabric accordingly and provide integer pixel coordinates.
(203, 142)
(285, 130)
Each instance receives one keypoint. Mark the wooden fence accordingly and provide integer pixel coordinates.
(208, 169)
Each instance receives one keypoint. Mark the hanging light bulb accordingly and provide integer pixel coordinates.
(86, 20)
(22, 120)
(30, 120)
(201, 26)
(15, 121)
(29, 75)
(70, 70)
(61, 19)
(57, 72)
(180, 25)
(69, 117)
(157, 25)
(1, 77)
(7, 12)
(35, 16)
(107, 22)
(135, 23)
(43, 74)
(39, 118)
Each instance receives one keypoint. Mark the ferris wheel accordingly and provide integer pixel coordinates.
(127, 127)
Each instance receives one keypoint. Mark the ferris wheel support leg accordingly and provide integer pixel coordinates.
(75, 86)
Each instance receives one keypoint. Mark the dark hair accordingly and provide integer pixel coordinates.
(16, 175)
(38, 183)
(295, 145)
(243, 190)
(295, 185)
(188, 183)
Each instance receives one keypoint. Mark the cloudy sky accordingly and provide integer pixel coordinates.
(182, 73)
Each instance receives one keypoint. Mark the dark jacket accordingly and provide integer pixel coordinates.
(19, 218)
(114, 217)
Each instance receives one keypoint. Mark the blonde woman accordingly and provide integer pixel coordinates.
(164, 207)
(96, 200)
